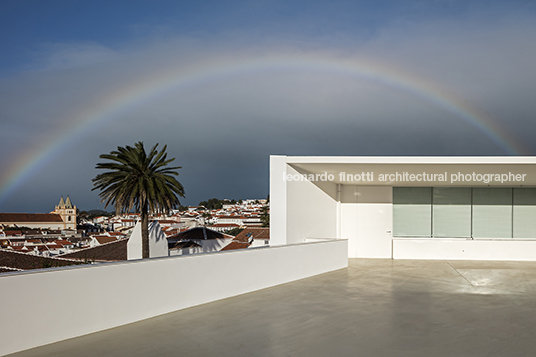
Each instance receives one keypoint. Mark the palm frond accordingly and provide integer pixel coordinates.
(136, 179)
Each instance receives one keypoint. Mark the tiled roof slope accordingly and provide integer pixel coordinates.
(24, 261)
(8, 270)
(105, 239)
(30, 217)
(242, 240)
(199, 233)
(236, 245)
(184, 244)
(113, 251)
(256, 233)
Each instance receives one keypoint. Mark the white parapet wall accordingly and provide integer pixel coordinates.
(464, 249)
(108, 295)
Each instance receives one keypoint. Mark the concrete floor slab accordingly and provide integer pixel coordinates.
(372, 308)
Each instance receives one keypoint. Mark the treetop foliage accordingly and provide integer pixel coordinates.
(215, 203)
(138, 180)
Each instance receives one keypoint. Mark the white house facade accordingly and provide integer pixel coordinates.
(478, 208)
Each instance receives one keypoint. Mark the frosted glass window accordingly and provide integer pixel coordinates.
(524, 212)
(451, 212)
(412, 211)
(492, 212)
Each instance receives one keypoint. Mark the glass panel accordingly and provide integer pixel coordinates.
(492, 212)
(524, 212)
(452, 212)
(412, 211)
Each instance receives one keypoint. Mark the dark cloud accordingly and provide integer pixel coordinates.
(223, 129)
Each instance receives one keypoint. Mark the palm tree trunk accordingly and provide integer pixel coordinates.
(144, 231)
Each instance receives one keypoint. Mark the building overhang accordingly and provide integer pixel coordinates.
(512, 171)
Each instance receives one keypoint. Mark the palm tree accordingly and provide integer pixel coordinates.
(140, 181)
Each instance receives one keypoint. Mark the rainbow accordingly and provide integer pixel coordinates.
(138, 93)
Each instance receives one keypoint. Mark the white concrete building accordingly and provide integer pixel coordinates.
(478, 208)
(158, 245)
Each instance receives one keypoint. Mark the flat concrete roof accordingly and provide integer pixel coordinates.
(372, 308)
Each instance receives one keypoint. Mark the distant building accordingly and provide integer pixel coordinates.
(115, 250)
(67, 212)
(62, 218)
(250, 237)
(12, 260)
(47, 221)
(223, 227)
(197, 240)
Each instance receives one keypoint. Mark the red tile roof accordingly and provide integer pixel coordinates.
(54, 246)
(168, 221)
(63, 242)
(253, 232)
(21, 248)
(116, 250)
(8, 269)
(30, 218)
(24, 261)
(13, 233)
(242, 240)
(170, 232)
(234, 225)
(236, 245)
(184, 244)
(105, 239)
(199, 233)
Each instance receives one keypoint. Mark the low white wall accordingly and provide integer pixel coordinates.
(464, 249)
(103, 296)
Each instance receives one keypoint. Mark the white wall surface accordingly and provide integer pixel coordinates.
(260, 243)
(158, 245)
(349, 218)
(366, 220)
(278, 200)
(311, 209)
(134, 245)
(464, 249)
(115, 294)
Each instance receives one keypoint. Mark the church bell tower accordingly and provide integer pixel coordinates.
(67, 212)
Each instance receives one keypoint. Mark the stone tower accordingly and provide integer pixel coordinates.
(67, 212)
